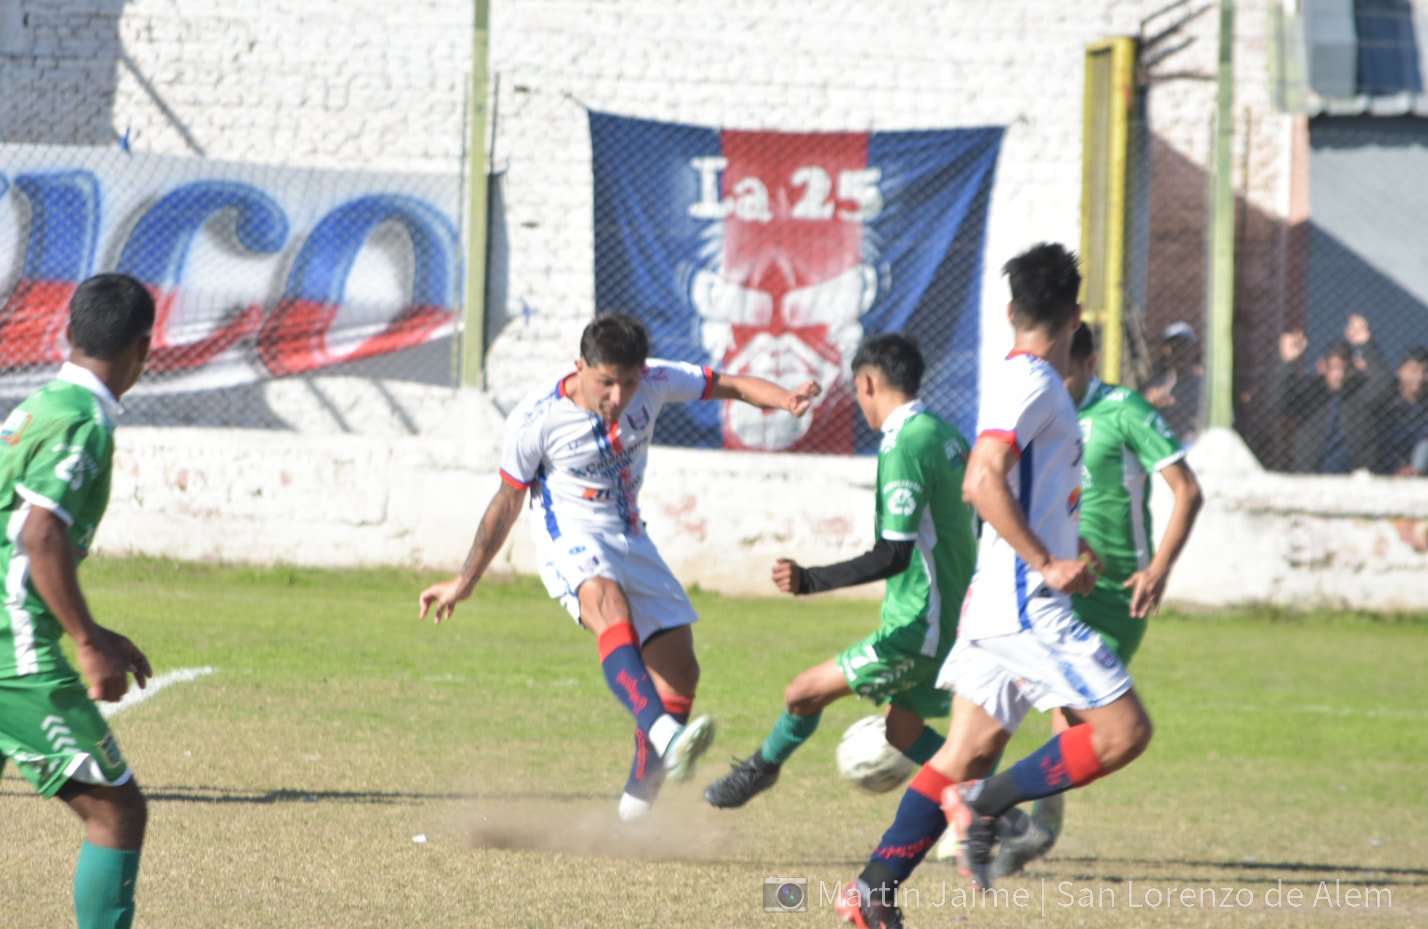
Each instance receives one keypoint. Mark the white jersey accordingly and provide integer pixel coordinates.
(583, 473)
(1026, 404)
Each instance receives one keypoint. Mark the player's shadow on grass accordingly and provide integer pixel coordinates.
(1272, 871)
(221, 795)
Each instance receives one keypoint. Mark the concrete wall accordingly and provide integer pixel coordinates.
(719, 518)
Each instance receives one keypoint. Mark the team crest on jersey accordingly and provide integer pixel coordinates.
(639, 420)
(1086, 425)
(14, 429)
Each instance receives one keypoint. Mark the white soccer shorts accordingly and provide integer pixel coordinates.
(657, 600)
(1058, 662)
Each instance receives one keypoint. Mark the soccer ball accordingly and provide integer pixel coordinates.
(866, 758)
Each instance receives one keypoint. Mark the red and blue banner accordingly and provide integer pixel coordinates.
(775, 253)
(258, 272)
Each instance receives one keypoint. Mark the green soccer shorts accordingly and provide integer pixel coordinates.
(889, 667)
(54, 733)
(1108, 612)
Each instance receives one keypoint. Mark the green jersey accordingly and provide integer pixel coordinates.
(919, 499)
(1125, 440)
(56, 451)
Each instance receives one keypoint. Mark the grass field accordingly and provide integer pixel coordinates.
(288, 787)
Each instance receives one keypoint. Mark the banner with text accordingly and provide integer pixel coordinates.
(258, 271)
(775, 253)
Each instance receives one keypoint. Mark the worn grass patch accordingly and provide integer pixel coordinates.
(290, 787)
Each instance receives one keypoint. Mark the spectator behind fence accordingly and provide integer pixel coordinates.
(1404, 439)
(1175, 387)
(1338, 411)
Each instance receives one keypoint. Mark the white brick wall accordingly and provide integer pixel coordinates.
(383, 86)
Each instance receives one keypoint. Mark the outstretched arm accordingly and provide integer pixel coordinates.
(1148, 586)
(764, 394)
(986, 488)
(887, 558)
(501, 514)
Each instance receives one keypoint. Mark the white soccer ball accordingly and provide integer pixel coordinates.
(866, 758)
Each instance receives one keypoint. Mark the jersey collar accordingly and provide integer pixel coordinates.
(901, 415)
(72, 373)
(1093, 392)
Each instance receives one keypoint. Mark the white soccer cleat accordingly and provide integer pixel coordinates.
(633, 809)
(691, 741)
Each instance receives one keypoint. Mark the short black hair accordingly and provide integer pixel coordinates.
(1418, 353)
(896, 357)
(1340, 348)
(1045, 283)
(1083, 342)
(616, 339)
(108, 313)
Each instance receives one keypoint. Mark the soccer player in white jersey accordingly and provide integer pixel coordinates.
(1019, 645)
(578, 449)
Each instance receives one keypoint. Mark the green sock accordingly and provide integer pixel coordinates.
(926, 744)
(788, 733)
(1050, 812)
(104, 883)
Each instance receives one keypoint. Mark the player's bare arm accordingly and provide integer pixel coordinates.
(501, 514)
(1148, 586)
(763, 393)
(105, 657)
(985, 487)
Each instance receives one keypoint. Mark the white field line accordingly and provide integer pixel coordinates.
(135, 696)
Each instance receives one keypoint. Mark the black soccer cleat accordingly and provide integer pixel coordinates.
(746, 779)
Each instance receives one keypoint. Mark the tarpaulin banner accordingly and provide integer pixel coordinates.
(775, 253)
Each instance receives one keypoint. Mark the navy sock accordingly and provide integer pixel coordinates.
(646, 769)
(627, 677)
(1067, 761)
(918, 825)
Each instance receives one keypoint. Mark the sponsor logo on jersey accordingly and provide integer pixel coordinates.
(597, 493)
(901, 497)
(14, 429)
(1073, 501)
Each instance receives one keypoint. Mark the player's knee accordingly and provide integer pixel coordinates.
(799, 699)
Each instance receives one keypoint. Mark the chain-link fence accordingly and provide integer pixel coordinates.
(295, 213)
(259, 273)
(1330, 296)
(774, 254)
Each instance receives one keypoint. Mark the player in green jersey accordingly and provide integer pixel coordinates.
(925, 549)
(56, 452)
(1125, 441)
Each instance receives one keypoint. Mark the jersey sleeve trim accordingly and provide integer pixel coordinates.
(708, 383)
(893, 535)
(44, 503)
(1169, 460)
(1002, 435)
(514, 481)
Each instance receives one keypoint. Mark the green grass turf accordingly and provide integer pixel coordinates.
(287, 787)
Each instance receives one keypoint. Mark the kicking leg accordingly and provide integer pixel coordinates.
(669, 658)
(606, 612)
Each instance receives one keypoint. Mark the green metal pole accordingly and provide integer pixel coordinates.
(1220, 360)
(473, 340)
